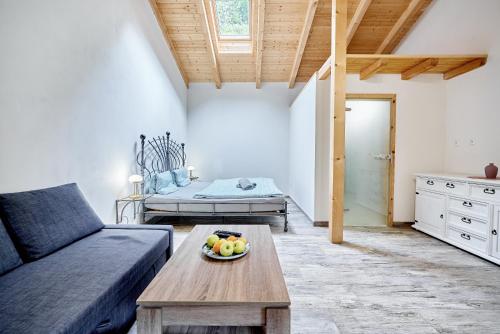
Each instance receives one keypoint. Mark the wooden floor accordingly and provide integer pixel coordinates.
(380, 280)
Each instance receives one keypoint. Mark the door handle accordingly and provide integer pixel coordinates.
(494, 232)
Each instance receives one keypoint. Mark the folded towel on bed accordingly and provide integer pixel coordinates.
(245, 184)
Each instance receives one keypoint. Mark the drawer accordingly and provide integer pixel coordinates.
(430, 184)
(469, 207)
(474, 225)
(468, 239)
(455, 188)
(483, 192)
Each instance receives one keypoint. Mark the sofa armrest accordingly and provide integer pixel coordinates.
(168, 228)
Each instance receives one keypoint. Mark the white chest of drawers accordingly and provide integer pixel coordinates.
(462, 211)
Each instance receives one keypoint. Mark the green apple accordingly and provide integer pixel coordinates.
(239, 247)
(227, 249)
(211, 240)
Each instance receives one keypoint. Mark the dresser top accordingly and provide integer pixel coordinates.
(461, 177)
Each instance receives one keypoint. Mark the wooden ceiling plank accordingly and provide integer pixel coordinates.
(311, 10)
(166, 36)
(371, 69)
(325, 70)
(204, 15)
(261, 11)
(420, 68)
(407, 14)
(462, 69)
(357, 18)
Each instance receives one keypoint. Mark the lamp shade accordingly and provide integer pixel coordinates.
(135, 178)
(191, 168)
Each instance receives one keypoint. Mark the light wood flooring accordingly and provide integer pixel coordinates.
(379, 281)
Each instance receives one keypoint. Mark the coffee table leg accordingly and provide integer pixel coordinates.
(149, 321)
(278, 321)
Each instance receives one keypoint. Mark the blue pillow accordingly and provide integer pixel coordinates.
(9, 257)
(181, 177)
(163, 180)
(150, 184)
(43, 221)
(171, 188)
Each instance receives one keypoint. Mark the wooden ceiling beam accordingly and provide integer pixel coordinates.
(325, 70)
(403, 19)
(420, 68)
(204, 14)
(371, 70)
(467, 67)
(261, 12)
(311, 10)
(357, 18)
(170, 44)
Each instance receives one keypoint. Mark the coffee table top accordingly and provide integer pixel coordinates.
(191, 278)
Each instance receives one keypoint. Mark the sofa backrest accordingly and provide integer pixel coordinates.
(43, 221)
(9, 257)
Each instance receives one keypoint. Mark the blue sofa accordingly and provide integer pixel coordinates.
(63, 271)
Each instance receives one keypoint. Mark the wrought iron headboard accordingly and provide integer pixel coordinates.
(160, 154)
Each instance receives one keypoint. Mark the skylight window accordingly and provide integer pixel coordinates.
(233, 19)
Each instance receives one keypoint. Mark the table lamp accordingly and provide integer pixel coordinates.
(136, 180)
(191, 169)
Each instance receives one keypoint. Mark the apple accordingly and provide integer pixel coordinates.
(227, 249)
(239, 246)
(243, 239)
(211, 240)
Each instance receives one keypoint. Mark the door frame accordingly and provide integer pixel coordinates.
(392, 144)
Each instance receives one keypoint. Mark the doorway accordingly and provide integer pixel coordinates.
(369, 160)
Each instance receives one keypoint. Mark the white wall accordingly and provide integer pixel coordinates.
(472, 110)
(302, 149)
(239, 130)
(80, 81)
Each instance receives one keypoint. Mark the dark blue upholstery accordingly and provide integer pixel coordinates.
(89, 286)
(9, 257)
(42, 221)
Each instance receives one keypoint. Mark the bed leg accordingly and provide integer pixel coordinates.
(286, 217)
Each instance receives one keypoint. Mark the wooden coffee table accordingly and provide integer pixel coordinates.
(192, 289)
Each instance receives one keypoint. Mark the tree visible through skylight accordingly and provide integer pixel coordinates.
(233, 18)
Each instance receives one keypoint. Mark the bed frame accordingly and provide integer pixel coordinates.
(163, 154)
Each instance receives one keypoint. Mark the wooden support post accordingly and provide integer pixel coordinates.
(337, 131)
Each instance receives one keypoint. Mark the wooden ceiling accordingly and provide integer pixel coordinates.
(290, 38)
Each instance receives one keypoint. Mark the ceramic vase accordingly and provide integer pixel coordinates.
(491, 171)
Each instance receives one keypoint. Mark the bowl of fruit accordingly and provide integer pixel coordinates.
(225, 245)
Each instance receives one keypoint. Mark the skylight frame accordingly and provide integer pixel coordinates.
(229, 38)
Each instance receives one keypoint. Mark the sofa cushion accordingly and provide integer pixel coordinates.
(76, 288)
(9, 257)
(42, 221)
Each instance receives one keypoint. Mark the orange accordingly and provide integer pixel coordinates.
(232, 238)
(216, 247)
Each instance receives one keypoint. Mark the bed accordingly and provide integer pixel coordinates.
(162, 154)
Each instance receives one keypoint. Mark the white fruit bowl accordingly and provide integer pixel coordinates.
(208, 252)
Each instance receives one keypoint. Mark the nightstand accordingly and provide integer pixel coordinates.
(122, 203)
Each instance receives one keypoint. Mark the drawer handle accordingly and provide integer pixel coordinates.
(467, 204)
(489, 191)
(430, 182)
(466, 220)
(450, 185)
(465, 236)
